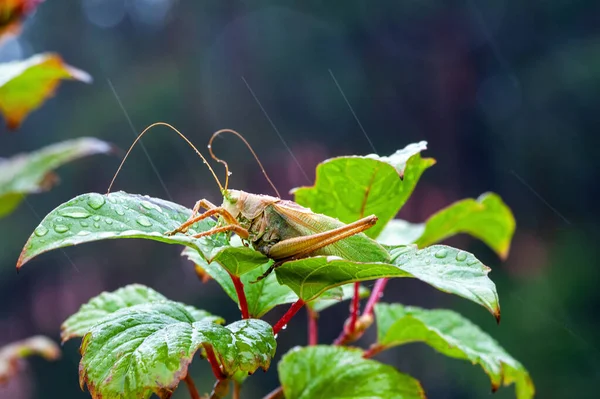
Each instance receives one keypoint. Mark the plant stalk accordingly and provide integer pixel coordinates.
(285, 319)
(355, 307)
(237, 388)
(275, 394)
(376, 295)
(372, 351)
(214, 364)
(313, 327)
(239, 289)
(191, 387)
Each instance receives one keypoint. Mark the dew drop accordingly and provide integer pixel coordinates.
(108, 221)
(208, 146)
(229, 173)
(96, 201)
(284, 327)
(40, 231)
(83, 233)
(441, 253)
(97, 225)
(147, 205)
(83, 224)
(144, 221)
(119, 211)
(275, 336)
(472, 262)
(461, 256)
(74, 213)
(96, 218)
(61, 228)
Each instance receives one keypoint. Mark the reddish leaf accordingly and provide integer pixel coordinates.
(12, 354)
(25, 85)
(12, 13)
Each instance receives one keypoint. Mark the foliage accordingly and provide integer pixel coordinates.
(12, 354)
(137, 342)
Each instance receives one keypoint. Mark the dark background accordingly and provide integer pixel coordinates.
(505, 92)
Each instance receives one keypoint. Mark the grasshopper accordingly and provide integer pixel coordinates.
(280, 229)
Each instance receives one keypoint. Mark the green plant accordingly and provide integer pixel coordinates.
(137, 342)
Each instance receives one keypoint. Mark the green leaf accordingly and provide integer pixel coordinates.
(25, 85)
(12, 354)
(336, 372)
(401, 232)
(321, 303)
(107, 303)
(445, 268)
(32, 173)
(262, 296)
(352, 187)
(92, 217)
(452, 335)
(487, 218)
(147, 348)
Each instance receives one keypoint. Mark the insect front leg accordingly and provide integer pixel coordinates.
(194, 218)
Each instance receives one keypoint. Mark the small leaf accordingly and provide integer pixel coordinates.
(452, 335)
(321, 303)
(107, 303)
(11, 355)
(12, 14)
(25, 85)
(32, 173)
(262, 295)
(147, 348)
(352, 187)
(92, 217)
(401, 232)
(336, 372)
(445, 268)
(487, 218)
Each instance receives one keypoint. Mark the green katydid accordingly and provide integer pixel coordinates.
(280, 229)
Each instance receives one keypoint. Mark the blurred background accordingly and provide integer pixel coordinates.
(505, 92)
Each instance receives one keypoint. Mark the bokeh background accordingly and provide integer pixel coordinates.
(506, 93)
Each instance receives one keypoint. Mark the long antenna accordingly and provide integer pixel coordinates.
(212, 154)
(181, 135)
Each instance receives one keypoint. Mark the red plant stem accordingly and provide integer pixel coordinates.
(237, 388)
(373, 350)
(285, 319)
(275, 394)
(214, 364)
(313, 328)
(191, 387)
(376, 295)
(239, 289)
(354, 309)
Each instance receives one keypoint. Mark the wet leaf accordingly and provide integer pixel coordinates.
(32, 173)
(401, 232)
(12, 14)
(12, 354)
(487, 218)
(352, 187)
(445, 268)
(25, 85)
(92, 217)
(147, 348)
(336, 372)
(101, 306)
(452, 335)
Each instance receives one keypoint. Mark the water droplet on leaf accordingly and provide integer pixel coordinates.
(83, 224)
(61, 228)
(441, 253)
(147, 205)
(144, 221)
(96, 218)
(108, 221)
(96, 201)
(83, 233)
(40, 231)
(119, 211)
(461, 256)
(97, 225)
(74, 213)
